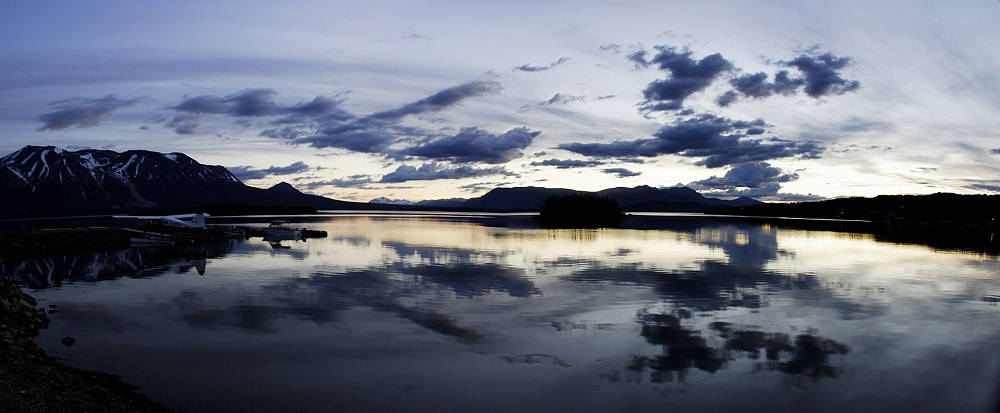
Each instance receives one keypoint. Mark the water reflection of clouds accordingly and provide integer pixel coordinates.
(717, 298)
(683, 348)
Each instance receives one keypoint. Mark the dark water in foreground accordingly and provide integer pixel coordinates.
(438, 313)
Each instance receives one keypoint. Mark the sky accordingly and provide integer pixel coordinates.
(778, 100)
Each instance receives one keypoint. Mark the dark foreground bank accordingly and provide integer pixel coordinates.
(30, 381)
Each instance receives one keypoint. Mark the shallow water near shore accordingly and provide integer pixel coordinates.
(438, 312)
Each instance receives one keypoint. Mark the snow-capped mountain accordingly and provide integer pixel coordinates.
(45, 180)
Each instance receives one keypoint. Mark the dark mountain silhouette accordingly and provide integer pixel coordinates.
(640, 198)
(529, 198)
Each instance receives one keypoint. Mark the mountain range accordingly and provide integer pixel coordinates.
(48, 181)
(45, 181)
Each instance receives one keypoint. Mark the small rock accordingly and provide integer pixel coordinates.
(68, 341)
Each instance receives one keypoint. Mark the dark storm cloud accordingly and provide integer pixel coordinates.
(246, 172)
(687, 76)
(475, 145)
(432, 171)
(567, 163)
(718, 141)
(542, 68)
(621, 172)
(822, 76)
(81, 113)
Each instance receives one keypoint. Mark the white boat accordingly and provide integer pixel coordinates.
(278, 230)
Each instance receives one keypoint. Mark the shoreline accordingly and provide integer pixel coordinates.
(35, 382)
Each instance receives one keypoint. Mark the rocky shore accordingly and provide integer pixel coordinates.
(30, 381)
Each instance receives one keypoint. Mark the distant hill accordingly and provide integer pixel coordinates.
(446, 203)
(935, 209)
(640, 198)
(386, 201)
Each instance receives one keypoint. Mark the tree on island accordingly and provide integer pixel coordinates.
(581, 210)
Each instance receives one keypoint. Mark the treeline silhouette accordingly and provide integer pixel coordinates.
(580, 210)
(972, 211)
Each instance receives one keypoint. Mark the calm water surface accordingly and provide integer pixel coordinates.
(479, 313)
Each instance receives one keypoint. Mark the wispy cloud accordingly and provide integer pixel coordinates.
(541, 68)
(246, 172)
(80, 112)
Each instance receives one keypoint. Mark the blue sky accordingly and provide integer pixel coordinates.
(421, 100)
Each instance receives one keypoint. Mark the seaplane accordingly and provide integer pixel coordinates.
(196, 221)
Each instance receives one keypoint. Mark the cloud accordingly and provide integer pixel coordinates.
(440, 100)
(246, 172)
(757, 86)
(727, 98)
(432, 171)
(353, 181)
(716, 140)
(638, 58)
(561, 99)
(985, 187)
(250, 103)
(748, 175)
(687, 76)
(184, 124)
(475, 145)
(567, 163)
(621, 172)
(822, 76)
(81, 113)
(482, 186)
(533, 68)
(611, 47)
(757, 180)
(374, 133)
(995, 151)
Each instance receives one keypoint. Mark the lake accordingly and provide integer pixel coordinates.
(489, 313)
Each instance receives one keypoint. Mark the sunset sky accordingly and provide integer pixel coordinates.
(790, 100)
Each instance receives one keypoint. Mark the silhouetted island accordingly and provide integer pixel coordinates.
(580, 210)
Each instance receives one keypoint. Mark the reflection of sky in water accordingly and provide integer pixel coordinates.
(423, 313)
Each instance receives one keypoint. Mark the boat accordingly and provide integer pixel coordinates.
(279, 230)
